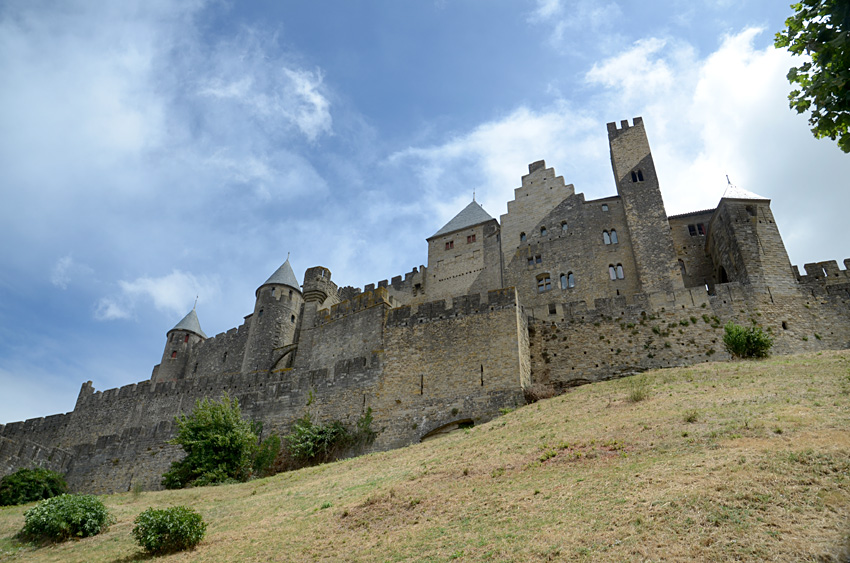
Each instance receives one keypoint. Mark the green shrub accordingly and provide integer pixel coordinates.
(318, 443)
(746, 342)
(218, 442)
(169, 529)
(27, 485)
(66, 516)
(266, 454)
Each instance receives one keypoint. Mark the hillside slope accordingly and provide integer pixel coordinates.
(746, 461)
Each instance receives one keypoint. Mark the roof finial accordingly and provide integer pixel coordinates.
(196, 303)
(728, 181)
(287, 257)
(473, 195)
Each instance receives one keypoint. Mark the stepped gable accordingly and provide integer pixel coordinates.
(190, 323)
(471, 215)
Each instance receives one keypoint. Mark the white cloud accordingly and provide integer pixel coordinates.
(271, 90)
(576, 16)
(65, 270)
(109, 309)
(172, 294)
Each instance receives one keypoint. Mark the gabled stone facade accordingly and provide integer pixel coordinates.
(560, 291)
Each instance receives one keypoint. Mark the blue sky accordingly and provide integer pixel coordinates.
(153, 151)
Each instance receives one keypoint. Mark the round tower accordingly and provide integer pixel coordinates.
(277, 311)
(178, 344)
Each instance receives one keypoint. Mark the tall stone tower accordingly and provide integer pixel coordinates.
(277, 311)
(178, 344)
(637, 184)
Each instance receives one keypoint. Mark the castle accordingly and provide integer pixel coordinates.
(558, 292)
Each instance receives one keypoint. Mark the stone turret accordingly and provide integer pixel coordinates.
(179, 343)
(745, 245)
(273, 324)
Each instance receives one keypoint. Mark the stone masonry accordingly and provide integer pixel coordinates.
(560, 291)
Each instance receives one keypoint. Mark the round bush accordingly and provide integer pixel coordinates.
(746, 342)
(65, 516)
(169, 529)
(27, 485)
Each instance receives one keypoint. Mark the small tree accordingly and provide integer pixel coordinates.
(27, 485)
(743, 342)
(219, 445)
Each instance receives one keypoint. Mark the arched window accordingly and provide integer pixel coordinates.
(522, 237)
(563, 226)
(543, 231)
(634, 176)
(614, 239)
(619, 271)
(571, 280)
(612, 272)
(606, 238)
(563, 281)
(682, 268)
(544, 283)
(640, 175)
(173, 355)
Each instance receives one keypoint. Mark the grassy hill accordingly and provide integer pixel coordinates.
(746, 461)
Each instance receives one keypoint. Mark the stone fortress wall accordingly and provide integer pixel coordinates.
(559, 292)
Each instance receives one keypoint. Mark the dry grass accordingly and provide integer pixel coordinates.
(760, 473)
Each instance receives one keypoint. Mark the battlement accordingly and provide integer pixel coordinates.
(827, 272)
(360, 302)
(614, 131)
(463, 305)
(397, 283)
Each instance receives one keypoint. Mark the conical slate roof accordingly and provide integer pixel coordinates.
(734, 192)
(473, 214)
(191, 324)
(284, 276)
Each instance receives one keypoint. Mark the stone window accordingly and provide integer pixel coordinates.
(292, 319)
(751, 210)
(544, 283)
(619, 271)
(563, 281)
(522, 237)
(682, 268)
(532, 260)
(543, 231)
(450, 244)
(563, 226)
(701, 229)
(614, 239)
(637, 175)
(174, 354)
(571, 280)
(260, 313)
(470, 239)
(606, 238)
(224, 359)
(612, 272)
(552, 309)
(186, 338)
(604, 207)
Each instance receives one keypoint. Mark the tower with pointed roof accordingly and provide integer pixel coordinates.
(464, 255)
(274, 322)
(179, 343)
(745, 245)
